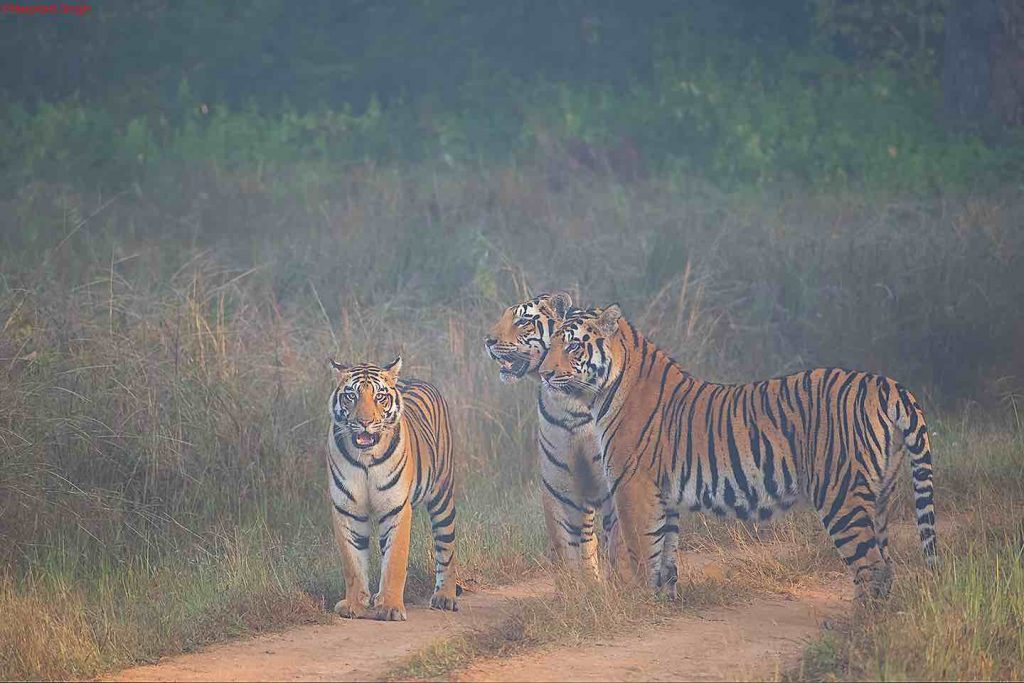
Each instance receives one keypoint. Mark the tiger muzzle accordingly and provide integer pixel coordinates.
(512, 363)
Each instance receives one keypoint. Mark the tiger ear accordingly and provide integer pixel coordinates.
(608, 322)
(558, 304)
(394, 367)
(340, 368)
(561, 301)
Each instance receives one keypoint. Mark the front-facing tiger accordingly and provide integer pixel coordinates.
(389, 448)
(671, 441)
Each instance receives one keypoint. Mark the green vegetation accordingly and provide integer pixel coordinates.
(816, 92)
(830, 127)
(193, 219)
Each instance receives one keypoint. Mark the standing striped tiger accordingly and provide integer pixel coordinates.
(573, 485)
(670, 441)
(389, 448)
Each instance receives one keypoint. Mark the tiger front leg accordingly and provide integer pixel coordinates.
(389, 603)
(638, 506)
(571, 530)
(352, 535)
(589, 543)
(668, 574)
(442, 524)
(611, 550)
(569, 518)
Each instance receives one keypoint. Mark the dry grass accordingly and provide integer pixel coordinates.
(163, 375)
(723, 564)
(965, 621)
(576, 610)
(59, 624)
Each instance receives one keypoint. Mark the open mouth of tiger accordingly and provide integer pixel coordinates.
(511, 365)
(365, 439)
(513, 368)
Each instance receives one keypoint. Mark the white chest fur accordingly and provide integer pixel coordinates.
(366, 482)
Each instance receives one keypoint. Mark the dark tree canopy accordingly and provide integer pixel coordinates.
(327, 52)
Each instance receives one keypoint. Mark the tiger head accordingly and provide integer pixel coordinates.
(519, 340)
(367, 403)
(582, 353)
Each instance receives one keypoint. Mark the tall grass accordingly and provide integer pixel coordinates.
(965, 621)
(163, 362)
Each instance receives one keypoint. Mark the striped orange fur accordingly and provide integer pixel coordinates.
(389, 449)
(672, 442)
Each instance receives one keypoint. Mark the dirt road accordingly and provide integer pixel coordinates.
(347, 650)
(753, 640)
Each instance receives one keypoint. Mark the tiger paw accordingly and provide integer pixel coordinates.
(389, 613)
(444, 598)
(669, 592)
(667, 581)
(351, 609)
(873, 583)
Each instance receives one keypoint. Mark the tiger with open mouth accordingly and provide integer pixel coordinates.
(389, 449)
(573, 485)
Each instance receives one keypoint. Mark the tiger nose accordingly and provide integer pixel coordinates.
(364, 423)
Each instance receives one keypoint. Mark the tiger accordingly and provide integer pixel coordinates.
(389, 449)
(671, 442)
(572, 484)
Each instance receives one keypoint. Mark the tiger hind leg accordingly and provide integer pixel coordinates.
(881, 580)
(441, 509)
(852, 526)
(882, 507)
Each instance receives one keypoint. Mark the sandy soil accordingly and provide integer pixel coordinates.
(754, 640)
(347, 650)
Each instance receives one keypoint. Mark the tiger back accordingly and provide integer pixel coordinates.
(389, 450)
(672, 442)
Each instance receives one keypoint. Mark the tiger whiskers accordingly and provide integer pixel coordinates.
(571, 385)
